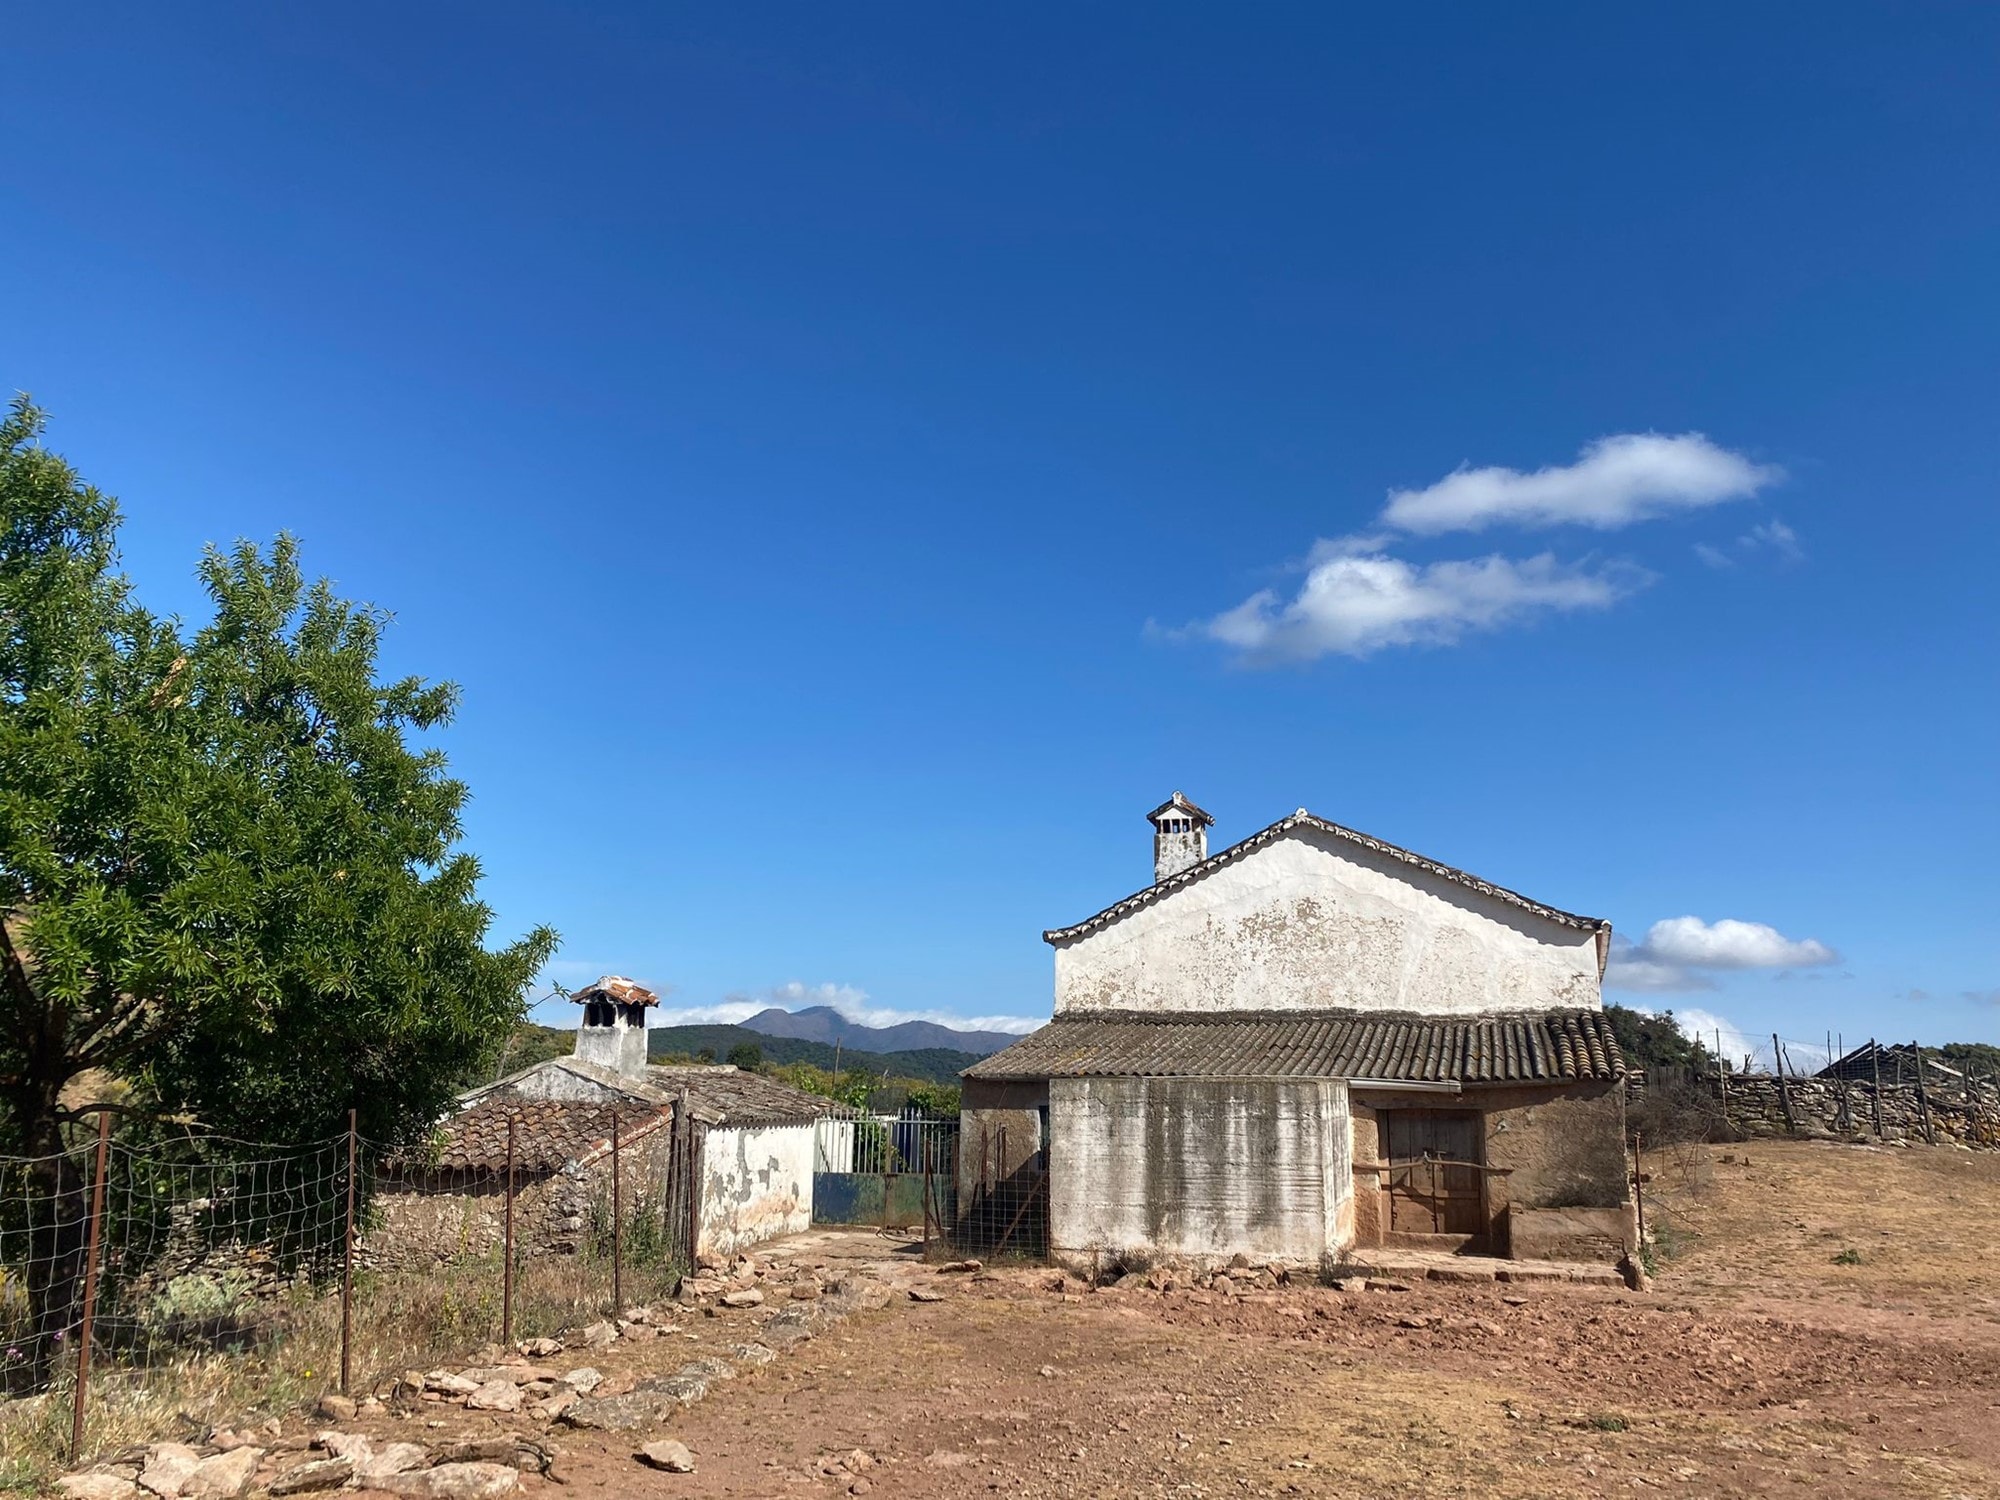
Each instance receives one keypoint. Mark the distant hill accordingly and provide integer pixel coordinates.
(822, 1023)
(932, 1064)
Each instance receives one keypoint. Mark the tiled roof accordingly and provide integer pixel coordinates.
(1542, 1046)
(1179, 804)
(729, 1096)
(1304, 819)
(617, 987)
(548, 1133)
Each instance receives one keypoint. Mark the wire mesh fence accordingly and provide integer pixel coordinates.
(141, 1275)
(1002, 1204)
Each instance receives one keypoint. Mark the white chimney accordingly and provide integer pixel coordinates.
(1180, 837)
(612, 1033)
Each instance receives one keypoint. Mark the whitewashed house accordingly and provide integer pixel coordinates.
(726, 1155)
(1308, 1041)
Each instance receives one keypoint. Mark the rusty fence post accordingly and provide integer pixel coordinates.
(89, 1290)
(347, 1270)
(507, 1263)
(617, 1233)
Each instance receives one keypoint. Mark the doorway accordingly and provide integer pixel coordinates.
(1436, 1185)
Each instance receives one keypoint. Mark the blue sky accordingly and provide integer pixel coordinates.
(858, 460)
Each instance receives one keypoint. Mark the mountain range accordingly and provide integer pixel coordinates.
(822, 1023)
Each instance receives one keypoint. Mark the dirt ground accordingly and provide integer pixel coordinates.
(1823, 1322)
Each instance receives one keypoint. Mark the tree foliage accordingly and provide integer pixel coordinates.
(1656, 1043)
(227, 875)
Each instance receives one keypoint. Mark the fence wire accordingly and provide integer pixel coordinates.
(207, 1270)
(1003, 1196)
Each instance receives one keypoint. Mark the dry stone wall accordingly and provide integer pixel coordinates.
(1755, 1105)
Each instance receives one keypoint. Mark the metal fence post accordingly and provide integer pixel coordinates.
(507, 1265)
(89, 1290)
(347, 1270)
(617, 1237)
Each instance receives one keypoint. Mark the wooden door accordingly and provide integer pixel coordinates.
(1434, 1187)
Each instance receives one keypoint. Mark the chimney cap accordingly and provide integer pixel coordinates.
(616, 987)
(1179, 807)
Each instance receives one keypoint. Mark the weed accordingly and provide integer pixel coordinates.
(1848, 1257)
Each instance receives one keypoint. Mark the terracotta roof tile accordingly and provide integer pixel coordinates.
(1542, 1046)
(548, 1133)
(730, 1096)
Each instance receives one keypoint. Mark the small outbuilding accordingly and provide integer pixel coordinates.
(724, 1156)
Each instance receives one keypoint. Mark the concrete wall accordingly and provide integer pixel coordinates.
(1146, 1169)
(1310, 922)
(621, 1047)
(756, 1183)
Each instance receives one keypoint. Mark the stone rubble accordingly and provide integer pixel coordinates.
(787, 1304)
(668, 1455)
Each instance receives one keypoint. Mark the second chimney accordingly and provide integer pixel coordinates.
(612, 1031)
(1180, 837)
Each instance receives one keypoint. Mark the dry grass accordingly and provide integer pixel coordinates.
(1885, 1226)
(1398, 1432)
(291, 1356)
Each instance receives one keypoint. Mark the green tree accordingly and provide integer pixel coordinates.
(1656, 1042)
(226, 875)
(747, 1055)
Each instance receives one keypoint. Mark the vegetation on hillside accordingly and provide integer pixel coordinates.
(714, 1043)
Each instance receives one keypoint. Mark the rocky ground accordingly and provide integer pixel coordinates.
(1857, 1359)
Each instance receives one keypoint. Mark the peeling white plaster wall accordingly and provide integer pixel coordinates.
(1310, 921)
(756, 1184)
(1199, 1169)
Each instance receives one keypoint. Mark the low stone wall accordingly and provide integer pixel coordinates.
(1754, 1105)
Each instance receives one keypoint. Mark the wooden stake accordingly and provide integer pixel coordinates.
(617, 1232)
(1923, 1095)
(1784, 1091)
(1639, 1185)
(347, 1269)
(507, 1266)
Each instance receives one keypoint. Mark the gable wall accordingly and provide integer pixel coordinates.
(1313, 922)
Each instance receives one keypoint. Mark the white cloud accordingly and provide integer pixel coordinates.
(1615, 481)
(1357, 599)
(1730, 944)
(1704, 1025)
(851, 1002)
(1630, 969)
(1682, 954)
(1771, 537)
